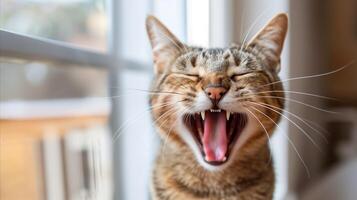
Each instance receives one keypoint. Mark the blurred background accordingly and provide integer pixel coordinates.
(74, 118)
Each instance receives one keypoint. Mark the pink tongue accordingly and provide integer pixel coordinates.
(215, 136)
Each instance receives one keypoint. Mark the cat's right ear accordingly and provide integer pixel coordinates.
(270, 40)
(165, 46)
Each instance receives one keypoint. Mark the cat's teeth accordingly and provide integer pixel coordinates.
(228, 115)
(225, 158)
(206, 158)
(203, 115)
(215, 110)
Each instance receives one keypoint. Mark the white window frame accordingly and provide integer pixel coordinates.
(35, 48)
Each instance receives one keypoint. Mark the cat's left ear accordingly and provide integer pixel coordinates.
(165, 46)
(270, 40)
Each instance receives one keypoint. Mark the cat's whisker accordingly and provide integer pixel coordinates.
(128, 88)
(118, 132)
(297, 92)
(168, 113)
(266, 132)
(299, 118)
(172, 111)
(295, 101)
(289, 140)
(125, 95)
(170, 130)
(156, 92)
(318, 126)
(132, 94)
(139, 92)
(310, 76)
(291, 121)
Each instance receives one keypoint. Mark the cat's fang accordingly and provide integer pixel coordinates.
(224, 159)
(228, 115)
(203, 115)
(206, 158)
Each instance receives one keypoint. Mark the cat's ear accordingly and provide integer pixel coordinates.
(270, 40)
(165, 46)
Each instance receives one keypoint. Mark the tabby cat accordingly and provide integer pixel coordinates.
(213, 109)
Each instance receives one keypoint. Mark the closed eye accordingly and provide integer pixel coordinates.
(189, 75)
(234, 76)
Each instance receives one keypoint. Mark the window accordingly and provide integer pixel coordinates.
(80, 22)
(54, 63)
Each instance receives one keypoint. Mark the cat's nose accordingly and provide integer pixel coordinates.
(215, 93)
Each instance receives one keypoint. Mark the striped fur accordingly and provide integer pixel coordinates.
(181, 73)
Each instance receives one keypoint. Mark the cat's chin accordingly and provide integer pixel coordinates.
(215, 134)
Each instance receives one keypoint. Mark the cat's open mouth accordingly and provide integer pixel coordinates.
(215, 132)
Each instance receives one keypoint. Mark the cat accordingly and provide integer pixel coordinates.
(213, 109)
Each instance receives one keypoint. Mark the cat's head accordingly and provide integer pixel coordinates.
(216, 101)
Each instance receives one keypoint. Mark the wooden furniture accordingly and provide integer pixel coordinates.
(21, 160)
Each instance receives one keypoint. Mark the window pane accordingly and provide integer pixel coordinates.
(30, 88)
(79, 22)
(30, 80)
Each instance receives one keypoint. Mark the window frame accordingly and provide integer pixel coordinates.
(17, 45)
(34, 48)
